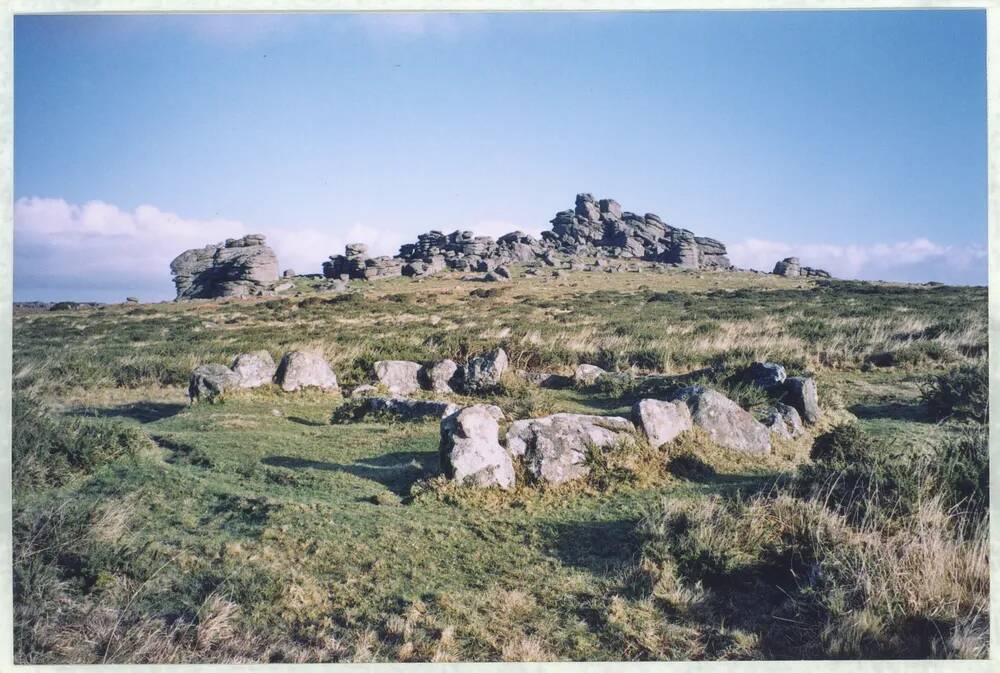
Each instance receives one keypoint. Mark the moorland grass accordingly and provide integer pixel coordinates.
(150, 531)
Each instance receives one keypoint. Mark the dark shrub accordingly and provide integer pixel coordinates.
(47, 450)
(962, 392)
(961, 474)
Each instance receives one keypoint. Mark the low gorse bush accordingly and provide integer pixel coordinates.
(963, 392)
(862, 554)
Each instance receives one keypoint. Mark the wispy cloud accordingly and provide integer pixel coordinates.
(917, 260)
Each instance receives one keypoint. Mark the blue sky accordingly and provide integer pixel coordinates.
(856, 140)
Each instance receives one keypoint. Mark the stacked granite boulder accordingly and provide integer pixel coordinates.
(239, 267)
(597, 229)
(791, 268)
(356, 264)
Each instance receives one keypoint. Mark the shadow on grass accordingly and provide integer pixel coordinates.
(600, 547)
(396, 471)
(914, 413)
(144, 412)
(307, 422)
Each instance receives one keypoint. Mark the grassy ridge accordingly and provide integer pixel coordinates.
(256, 530)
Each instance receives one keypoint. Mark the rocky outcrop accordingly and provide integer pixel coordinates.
(470, 448)
(442, 377)
(305, 369)
(356, 264)
(783, 421)
(726, 423)
(593, 228)
(239, 267)
(766, 375)
(791, 268)
(554, 448)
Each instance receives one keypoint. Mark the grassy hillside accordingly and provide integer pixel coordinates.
(148, 530)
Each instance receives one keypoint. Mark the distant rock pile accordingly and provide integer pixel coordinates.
(594, 229)
(240, 267)
(791, 268)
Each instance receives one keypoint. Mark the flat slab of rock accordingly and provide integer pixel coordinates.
(304, 369)
(471, 453)
(401, 377)
(800, 392)
(254, 369)
(555, 447)
(209, 382)
(661, 421)
(728, 424)
(409, 409)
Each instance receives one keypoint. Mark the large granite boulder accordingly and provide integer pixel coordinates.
(471, 453)
(209, 382)
(726, 423)
(401, 377)
(305, 369)
(239, 267)
(766, 375)
(443, 376)
(554, 448)
(483, 372)
(800, 393)
(661, 421)
(789, 267)
(254, 369)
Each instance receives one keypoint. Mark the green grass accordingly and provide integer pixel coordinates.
(257, 530)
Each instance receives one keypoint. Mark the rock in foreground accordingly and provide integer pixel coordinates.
(661, 421)
(303, 369)
(555, 447)
(728, 424)
(254, 369)
(470, 448)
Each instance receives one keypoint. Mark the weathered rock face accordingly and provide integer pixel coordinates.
(470, 448)
(593, 228)
(661, 421)
(728, 424)
(483, 372)
(240, 267)
(766, 375)
(443, 376)
(587, 375)
(399, 376)
(791, 267)
(303, 369)
(209, 382)
(801, 394)
(356, 264)
(254, 369)
(555, 447)
(783, 421)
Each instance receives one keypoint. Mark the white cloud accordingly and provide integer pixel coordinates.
(97, 251)
(912, 261)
